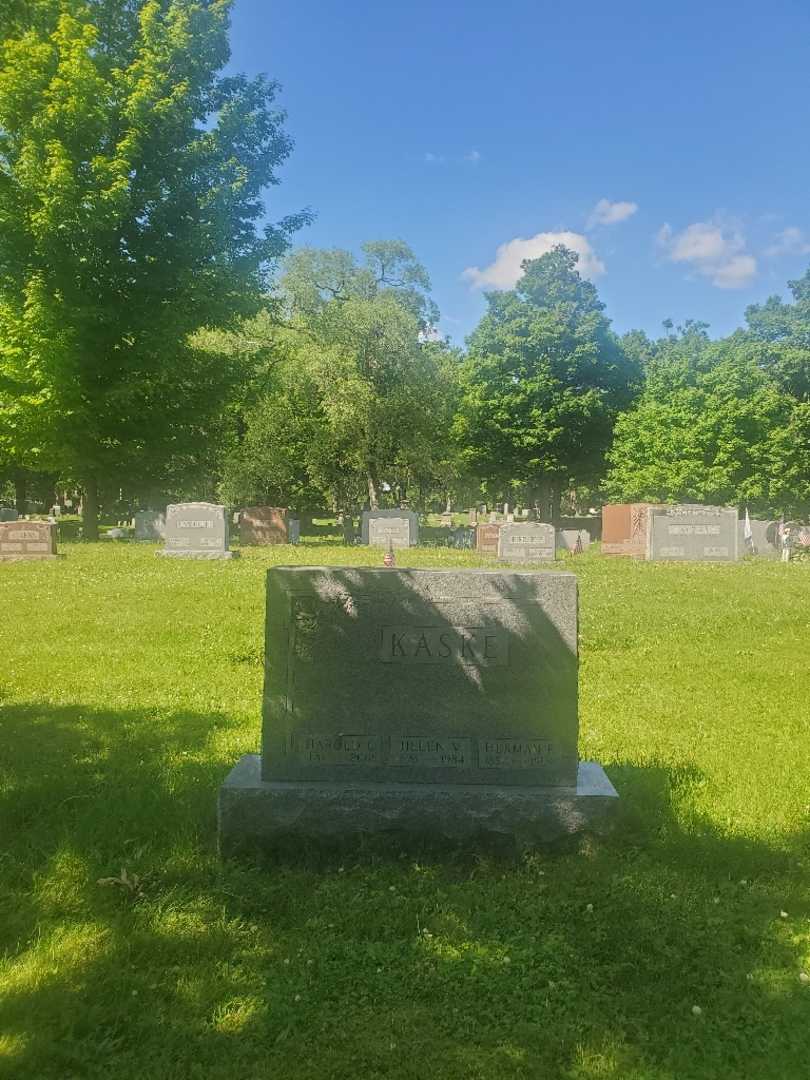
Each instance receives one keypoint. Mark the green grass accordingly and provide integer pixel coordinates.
(129, 685)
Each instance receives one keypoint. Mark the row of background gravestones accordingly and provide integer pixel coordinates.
(645, 530)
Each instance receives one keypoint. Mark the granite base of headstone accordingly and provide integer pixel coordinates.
(7, 514)
(197, 530)
(389, 528)
(527, 541)
(694, 533)
(27, 540)
(412, 707)
(150, 525)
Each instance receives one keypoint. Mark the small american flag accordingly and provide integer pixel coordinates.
(804, 537)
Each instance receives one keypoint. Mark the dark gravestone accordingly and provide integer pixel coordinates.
(197, 530)
(7, 514)
(267, 525)
(692, 532)
(624, 529)
(486, 539)
(462, 538)
(150, 525)
(416, 703)
(527, 541)
(27, 540)
(390, 528)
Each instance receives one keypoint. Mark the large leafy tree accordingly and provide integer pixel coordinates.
(357, 402)
(131, 177)
(781, 333)
(544, 379)
(712, 426)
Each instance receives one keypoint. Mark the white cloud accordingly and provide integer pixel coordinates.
(716, 250)
(505, 271)
(434, 158)
(609, 213)
(474, 156)
(790, 241)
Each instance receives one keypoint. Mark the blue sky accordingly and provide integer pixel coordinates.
(668, 141)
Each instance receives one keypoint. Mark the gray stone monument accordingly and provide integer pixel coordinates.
(764, 539)
(7, 514)
(390, 528)
(416, 704)
(150, 525)
(692, 532)
(27, 540)
(527, 541)
(197, 530)
(567, 539)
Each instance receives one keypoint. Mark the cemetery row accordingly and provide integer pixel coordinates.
(650, 531)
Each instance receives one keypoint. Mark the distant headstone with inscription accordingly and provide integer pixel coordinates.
(693, 532)
(486, 539)
(390, 528)
(472, 517)
(624, 529)
(7, 514)
(527, 541)
(267, 525)
(197, 530)
(27, 540)
(150, 525)
(416, 704)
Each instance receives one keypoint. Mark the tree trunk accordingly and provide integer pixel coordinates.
(49, 496)
(544, 499)
(90, 509)
(21, 491)
(373, 497)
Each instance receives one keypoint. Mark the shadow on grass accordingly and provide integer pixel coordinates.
(374, 967)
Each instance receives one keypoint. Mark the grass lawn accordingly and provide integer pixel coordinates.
(129, 685)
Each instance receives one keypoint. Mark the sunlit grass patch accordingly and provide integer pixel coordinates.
(129, 686)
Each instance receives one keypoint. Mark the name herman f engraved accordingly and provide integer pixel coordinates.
(479, 645)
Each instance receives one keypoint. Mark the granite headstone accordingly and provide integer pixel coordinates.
(7, 514)
(390, 528)
(486, 539)
(150, 525)
(624, 529)
(416, 703)
(197, 530)
(267, 525)
(567, 539)
(27, 540)
(692, 532)
(527, 541)
(764, 538)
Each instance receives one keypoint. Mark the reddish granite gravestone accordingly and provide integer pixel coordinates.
(486, 539)
(264, 525)
(624, 529)
(27, 540)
